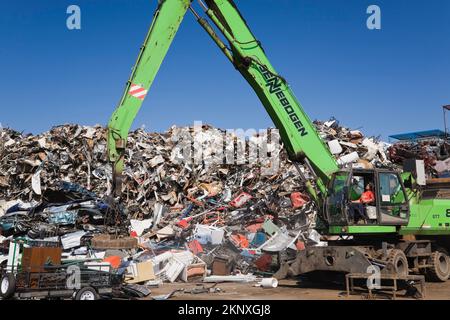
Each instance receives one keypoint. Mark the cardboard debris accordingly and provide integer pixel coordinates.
(141, 272)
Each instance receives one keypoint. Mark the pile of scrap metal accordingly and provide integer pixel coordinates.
(154, 173)
(434, 152)
(352, 147)
(64, 208)
(176, 220)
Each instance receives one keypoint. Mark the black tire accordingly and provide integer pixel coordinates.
(7, 286)
(440, 266)
(397, 263)
(87, 293)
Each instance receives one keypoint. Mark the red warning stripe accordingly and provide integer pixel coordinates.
(137, 91)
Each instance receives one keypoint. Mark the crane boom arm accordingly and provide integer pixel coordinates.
(296, 129)
(166, 21)
(247, 55)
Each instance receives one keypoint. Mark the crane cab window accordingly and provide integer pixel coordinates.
(391, 189)
(393, 200)
(359, 184)
(357, 187)
(360, 210)
(337, 198)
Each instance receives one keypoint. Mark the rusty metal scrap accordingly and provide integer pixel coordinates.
(172, 214)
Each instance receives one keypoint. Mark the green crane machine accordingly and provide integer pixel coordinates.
(409, 223)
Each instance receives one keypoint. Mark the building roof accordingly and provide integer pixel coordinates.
(428, 134)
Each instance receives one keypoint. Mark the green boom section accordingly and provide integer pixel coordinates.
(296, 129)
(166, 21)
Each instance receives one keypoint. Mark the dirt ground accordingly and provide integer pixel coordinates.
(288, 290)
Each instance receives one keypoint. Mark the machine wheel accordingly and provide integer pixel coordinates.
(397, 263)
(87, 293)
(7, 286)
(440, 266)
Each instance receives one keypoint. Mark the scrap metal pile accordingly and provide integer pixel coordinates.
(351, 147)
(434, 152)
(175, 220)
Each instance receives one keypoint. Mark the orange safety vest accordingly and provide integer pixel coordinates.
(367, 196)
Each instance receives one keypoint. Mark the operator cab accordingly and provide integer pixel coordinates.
(389, 208)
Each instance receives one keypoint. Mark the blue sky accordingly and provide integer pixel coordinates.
(385, 82)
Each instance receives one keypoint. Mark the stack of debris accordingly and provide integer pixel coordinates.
(176, 220)
(351, 147)
(434, 152)
(154, 172)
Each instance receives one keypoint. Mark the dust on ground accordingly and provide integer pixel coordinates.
(289, 290)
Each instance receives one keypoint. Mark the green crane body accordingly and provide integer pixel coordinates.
(402, 206)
